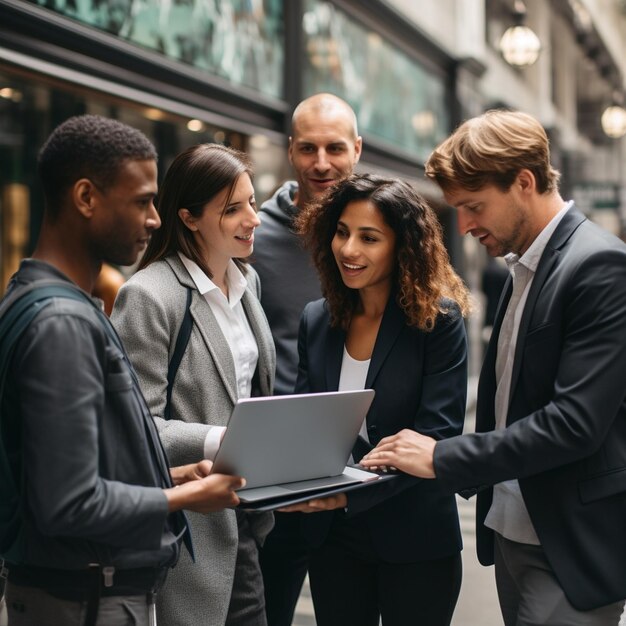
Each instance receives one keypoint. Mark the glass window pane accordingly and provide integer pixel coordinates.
(395, 98)
(241, 41)
(31, 106)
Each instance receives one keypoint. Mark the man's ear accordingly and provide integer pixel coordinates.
(358, 147)
(83, 192)
(526, 181)
(187, 219)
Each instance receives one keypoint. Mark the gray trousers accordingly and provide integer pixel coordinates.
(29, 606)
(247, 601)
(530, 594)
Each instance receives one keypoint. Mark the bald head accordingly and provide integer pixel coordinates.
(325, 105)
(324, 145)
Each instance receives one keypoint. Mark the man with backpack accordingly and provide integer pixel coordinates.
(90, 514)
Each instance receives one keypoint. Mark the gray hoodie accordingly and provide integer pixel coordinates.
(288, 280)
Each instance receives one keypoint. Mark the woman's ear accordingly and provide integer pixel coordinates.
(187, 219)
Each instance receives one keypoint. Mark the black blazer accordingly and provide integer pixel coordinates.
(420, 379)
(566, 428)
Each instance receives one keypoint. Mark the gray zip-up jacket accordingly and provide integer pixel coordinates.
(288, 280)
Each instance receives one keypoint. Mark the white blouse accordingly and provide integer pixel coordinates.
(352, 377)
(233, 323)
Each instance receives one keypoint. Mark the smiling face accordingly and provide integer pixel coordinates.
(364, 247)
(498, 219)
(124, 215)
(225, 230)
(324, 148)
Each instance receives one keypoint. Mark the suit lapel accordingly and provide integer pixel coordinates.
(261, 331)
(335, 342)
(216, 343)
(204, 320)
(566, 227)
(390, 327)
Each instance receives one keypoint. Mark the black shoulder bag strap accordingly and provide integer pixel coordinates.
(181, 345)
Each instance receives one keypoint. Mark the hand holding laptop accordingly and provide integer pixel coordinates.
(293, 449)
(197, 489)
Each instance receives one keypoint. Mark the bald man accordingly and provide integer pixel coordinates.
(324, 147)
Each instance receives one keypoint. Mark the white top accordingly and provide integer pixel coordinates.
(233, 323)
(352, 377)
(508, 514)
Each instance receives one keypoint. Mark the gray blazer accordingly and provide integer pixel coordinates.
(148, 314)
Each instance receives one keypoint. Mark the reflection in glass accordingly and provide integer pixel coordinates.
(394, 97)
(27, 120)
(239, 40)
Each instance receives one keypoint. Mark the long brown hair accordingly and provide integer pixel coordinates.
(423, 277)
(193, 179)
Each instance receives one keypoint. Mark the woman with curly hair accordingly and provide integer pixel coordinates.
(391, 320)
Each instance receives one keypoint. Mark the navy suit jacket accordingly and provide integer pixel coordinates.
(566, 427)
(420, 379)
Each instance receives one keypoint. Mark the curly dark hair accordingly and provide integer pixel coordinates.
(88, 146)
(194, 178)
(424, 276)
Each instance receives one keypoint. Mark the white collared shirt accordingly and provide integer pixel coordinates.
(234, 324)
(508, 514)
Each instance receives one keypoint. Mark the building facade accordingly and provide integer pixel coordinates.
(231, 71)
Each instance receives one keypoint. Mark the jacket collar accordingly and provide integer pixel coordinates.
(566, 228)
(390, 327)
(216, 343)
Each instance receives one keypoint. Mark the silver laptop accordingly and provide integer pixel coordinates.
(291, 444)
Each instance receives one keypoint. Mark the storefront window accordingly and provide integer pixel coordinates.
(241, 41)
(395, 98)
(31, 106)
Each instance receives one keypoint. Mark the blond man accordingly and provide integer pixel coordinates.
(549, 455)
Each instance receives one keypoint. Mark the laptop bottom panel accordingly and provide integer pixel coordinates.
(350, 476)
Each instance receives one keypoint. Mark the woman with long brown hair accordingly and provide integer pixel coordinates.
(391, 320)
(195, 269)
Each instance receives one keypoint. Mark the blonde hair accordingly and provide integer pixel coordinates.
(491, 150)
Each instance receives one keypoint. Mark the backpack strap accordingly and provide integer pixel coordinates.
(19, 312)
(181, 345)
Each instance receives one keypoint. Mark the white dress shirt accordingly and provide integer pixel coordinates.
(233, 323)
(508, 514)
